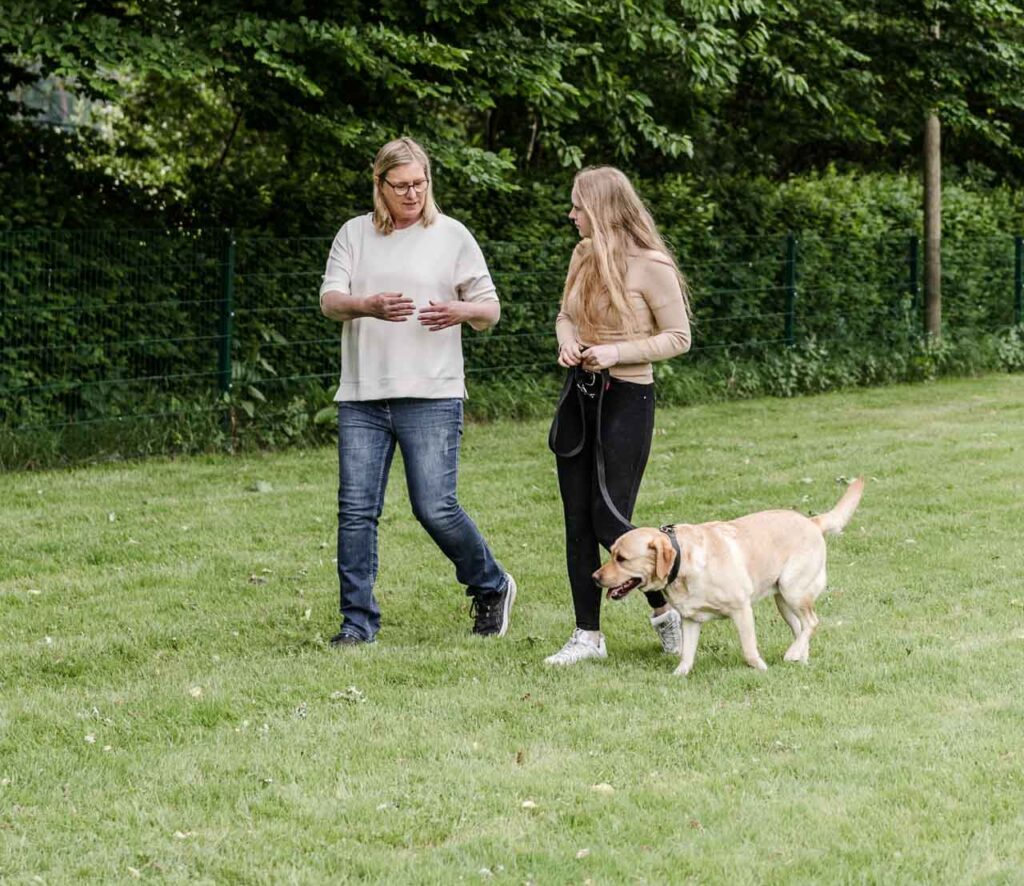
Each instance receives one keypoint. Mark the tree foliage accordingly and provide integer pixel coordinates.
(263, 114)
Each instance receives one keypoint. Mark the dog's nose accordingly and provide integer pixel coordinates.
(597, 577)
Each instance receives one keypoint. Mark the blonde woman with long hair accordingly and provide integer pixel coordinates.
(624, 307)
(402, 281)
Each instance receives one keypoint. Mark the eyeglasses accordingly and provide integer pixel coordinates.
(402, 189)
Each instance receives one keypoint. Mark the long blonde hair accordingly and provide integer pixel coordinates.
(400, 152)
(619, 224)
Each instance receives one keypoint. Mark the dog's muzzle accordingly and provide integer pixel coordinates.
(619, 592)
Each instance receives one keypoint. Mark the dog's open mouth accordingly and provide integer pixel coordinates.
(623, 589)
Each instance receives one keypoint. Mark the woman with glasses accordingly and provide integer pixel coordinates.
(624, 306)
(403, 280)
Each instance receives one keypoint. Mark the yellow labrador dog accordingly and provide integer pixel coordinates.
(714, 570)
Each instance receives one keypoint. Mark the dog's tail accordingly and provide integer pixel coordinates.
(832, 522)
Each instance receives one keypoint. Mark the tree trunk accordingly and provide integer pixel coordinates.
(932, 226)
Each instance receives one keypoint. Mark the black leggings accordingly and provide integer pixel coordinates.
(627, 419)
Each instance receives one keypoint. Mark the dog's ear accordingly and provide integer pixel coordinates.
(664, 555)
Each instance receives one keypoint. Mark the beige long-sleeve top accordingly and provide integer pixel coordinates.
(661, 325)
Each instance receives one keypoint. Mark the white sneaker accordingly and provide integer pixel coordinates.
(577, 649)
(669, 628)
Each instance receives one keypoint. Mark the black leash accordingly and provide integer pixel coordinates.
(580, 384)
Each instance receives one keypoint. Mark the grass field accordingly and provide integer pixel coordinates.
(169, 709)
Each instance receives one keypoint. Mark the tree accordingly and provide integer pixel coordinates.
(953, 65)
(267, 114)
(205, 104)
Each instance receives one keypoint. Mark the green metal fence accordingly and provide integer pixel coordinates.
(96, 327)
(115, 334)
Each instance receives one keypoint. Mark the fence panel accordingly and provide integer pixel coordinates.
(977, 283)
(99, 328)
(119, 336)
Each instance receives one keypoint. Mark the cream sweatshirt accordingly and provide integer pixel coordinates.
(380, 359)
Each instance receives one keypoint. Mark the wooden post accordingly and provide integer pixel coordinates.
(933, 220)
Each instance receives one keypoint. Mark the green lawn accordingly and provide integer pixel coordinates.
(169, 709)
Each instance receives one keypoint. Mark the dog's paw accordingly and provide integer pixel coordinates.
(681, 671)
(758, 664)
(798, 654)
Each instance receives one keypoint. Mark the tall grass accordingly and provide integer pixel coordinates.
(169, 709)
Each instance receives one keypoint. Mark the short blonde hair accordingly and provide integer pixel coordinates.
(400, 152)
(619, 223)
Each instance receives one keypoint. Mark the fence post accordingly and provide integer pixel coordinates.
(227, 314)
(1018, 280)
(790, 284)
(913, 287)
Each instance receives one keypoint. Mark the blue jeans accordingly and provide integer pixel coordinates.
(429, 433)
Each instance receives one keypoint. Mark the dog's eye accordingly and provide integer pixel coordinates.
(619, 558)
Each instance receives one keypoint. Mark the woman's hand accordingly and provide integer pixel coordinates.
(600, 357)
(569, 354)
(391, 306)
(440, 315)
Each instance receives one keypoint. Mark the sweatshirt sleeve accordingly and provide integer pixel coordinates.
(473, 280)
(338, 274)
(660, 288)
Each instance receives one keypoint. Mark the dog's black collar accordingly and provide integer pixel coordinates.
(669, 530)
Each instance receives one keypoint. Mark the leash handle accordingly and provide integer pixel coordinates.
(580, 384)
(606, 383)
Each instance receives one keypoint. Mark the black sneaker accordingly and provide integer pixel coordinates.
(347, 638)
(491, 611)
